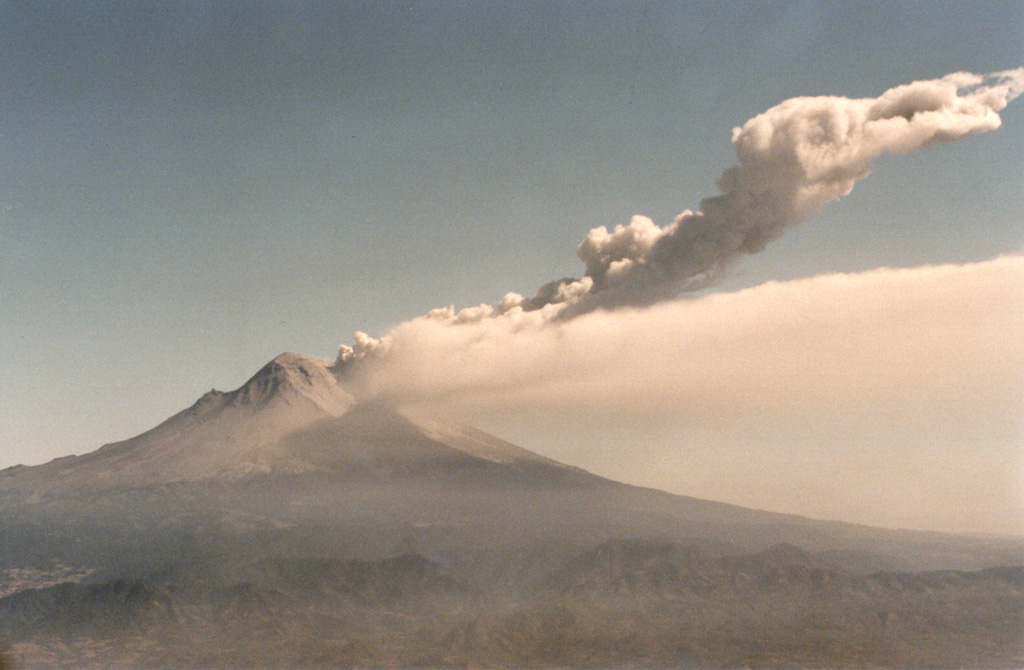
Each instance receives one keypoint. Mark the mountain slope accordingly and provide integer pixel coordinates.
(290, 458)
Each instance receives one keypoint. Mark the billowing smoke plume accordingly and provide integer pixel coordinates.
(792, 160)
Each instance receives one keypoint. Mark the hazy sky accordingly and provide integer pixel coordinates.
(187, 190)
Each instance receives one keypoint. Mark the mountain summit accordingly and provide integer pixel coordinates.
(291, 417)
(290, 378)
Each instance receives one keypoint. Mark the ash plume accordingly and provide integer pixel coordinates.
(791, 161)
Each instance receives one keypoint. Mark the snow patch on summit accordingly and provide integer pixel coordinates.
(299, 375)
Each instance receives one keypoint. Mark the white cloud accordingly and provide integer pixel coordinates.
(911, 335)
(854, 372)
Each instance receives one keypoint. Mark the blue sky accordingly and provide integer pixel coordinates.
(187, 190)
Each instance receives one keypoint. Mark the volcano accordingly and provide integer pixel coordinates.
(291, 417)
(289, 523)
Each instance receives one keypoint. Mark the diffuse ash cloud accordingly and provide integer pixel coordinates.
(792, 160)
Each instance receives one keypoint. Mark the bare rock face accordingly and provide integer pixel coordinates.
(289, 524)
